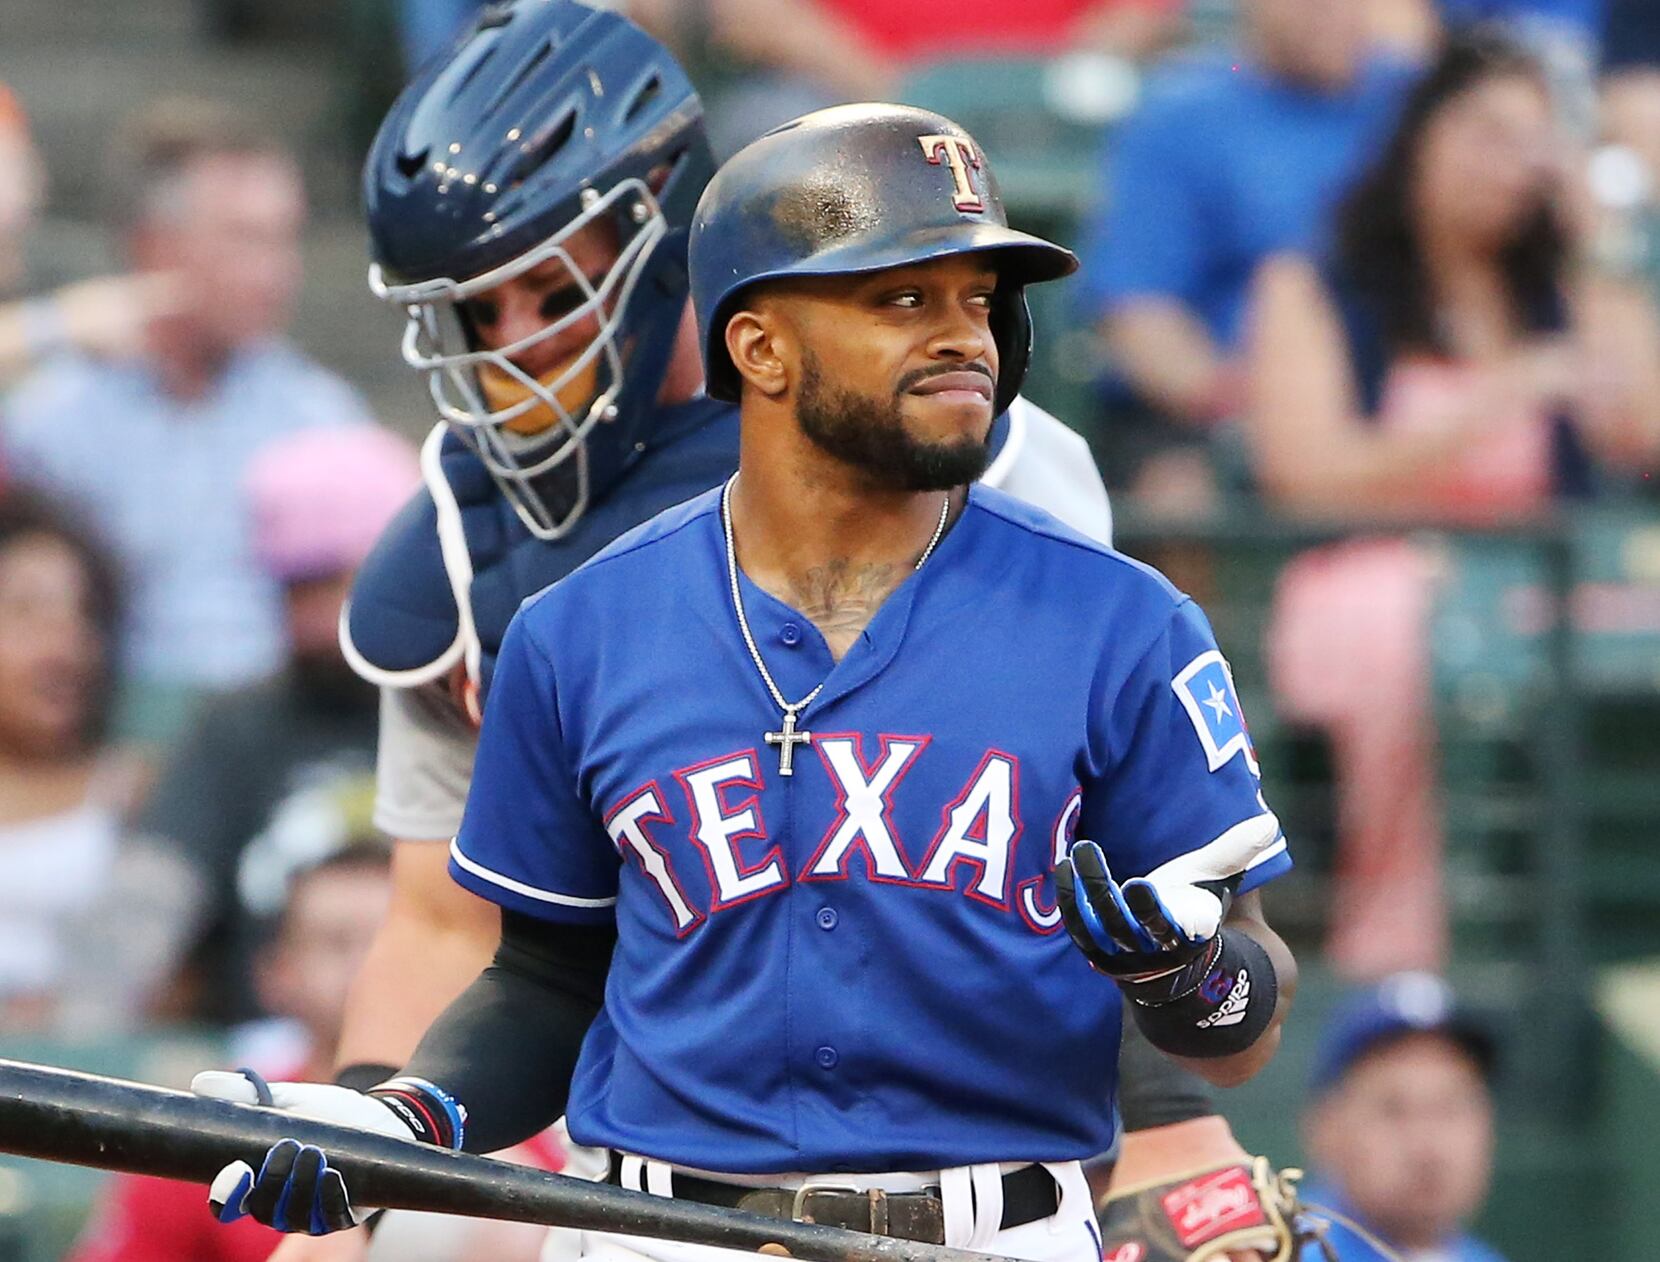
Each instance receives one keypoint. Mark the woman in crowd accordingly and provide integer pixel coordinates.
(62, 796)
(1449, 363)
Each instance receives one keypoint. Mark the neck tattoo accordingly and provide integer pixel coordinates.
(788, 736)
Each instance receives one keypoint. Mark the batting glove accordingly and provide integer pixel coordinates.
(296, 1190)
(1152, 934)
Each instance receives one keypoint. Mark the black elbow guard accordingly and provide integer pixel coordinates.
(1226, 1012)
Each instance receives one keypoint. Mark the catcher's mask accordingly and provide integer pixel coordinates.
(545, 119)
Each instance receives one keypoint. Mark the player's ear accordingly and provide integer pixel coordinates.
(753, 343)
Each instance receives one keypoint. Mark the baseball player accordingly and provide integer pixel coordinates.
(566, 371)
(764, 906)
(431, 607)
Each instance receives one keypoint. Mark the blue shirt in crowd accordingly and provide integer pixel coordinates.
(858, 965)
(1350, 1247)
(160, 478)
(1631, 35)
(1584, 16)
(1223, 165)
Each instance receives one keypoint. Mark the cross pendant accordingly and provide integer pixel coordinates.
(786, 741)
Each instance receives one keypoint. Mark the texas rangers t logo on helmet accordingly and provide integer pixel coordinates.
(957, 152)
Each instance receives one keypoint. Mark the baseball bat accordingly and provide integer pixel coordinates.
(87, 1120)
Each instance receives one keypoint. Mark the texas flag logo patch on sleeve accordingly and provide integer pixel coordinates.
(1205, 689)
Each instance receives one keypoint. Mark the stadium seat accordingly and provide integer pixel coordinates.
(1532, 761)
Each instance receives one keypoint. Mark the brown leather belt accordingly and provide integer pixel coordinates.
(1029, 1194)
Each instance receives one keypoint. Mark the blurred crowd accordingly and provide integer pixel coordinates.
(1380, 265)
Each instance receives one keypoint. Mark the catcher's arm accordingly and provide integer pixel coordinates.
(436, 938)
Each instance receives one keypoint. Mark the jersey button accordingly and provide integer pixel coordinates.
(827, 918)
(790, 634)
(827, 1057)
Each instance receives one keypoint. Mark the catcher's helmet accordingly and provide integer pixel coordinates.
(545, 118)
(859, 188)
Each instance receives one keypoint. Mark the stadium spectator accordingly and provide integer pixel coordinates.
(327, 907)
(1409, 29)
(775, 59)
(154, 444)
(1563, 35)
(1445, 367)
(21, 192)
(241, 794)
(1584, 17)
(885, 37)
(1625, 170)
(62, 794)
(762, 62)
(1399, 1127)
(1581, 17)
(1230, 157)
(1631, 82)
(104, 316)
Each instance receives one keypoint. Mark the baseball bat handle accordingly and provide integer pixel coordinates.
(88, 1120)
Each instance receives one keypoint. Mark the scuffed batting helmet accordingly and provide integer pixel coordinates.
(546, 119)
(854, 189)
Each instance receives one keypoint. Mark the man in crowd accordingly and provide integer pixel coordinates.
(156, 443)
(1400, 1127)
(1232, 157)
(107, 315)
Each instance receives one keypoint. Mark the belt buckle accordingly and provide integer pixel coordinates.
(876, 1198)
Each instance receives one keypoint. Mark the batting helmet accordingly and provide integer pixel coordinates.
(854, 189)
(546, 118)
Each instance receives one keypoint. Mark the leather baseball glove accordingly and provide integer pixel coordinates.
(1209, 1213)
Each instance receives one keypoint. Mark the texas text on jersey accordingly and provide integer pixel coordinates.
(876, 930)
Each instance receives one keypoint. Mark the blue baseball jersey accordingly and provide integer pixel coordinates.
(859, 966)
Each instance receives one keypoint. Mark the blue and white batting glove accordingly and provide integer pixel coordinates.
(1155, 934)
(296, 1190)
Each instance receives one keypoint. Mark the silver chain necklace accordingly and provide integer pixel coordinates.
(787, 737)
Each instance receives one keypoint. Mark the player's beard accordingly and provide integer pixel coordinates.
(870, 434)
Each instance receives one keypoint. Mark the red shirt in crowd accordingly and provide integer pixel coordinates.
(924, 30)
(145, 1219)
